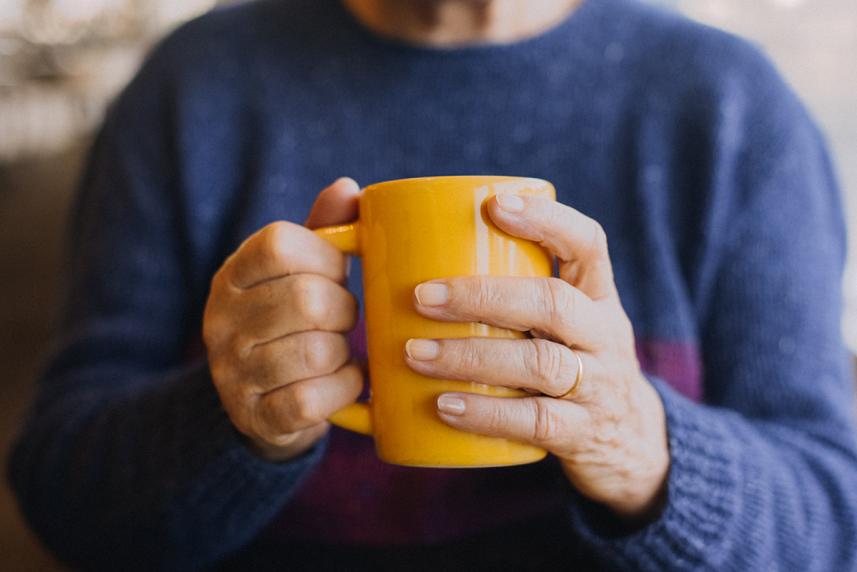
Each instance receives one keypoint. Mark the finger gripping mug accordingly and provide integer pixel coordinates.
(411, 231)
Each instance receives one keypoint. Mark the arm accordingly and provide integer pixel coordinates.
(128, 460)
(762, 476)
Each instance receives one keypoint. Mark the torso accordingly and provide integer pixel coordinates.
(557, 107)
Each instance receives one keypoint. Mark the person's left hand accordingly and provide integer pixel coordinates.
(609, 431)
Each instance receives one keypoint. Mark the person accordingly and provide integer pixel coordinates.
(180, 423)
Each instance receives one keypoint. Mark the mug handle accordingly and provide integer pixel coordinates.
(356, 417)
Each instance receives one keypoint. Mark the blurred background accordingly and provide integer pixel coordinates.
(62, 61)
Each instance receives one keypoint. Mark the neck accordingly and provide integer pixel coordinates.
(452, 23)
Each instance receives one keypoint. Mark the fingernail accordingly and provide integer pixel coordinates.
(347, 266)
(510, 203)
(422, 350)
(346, 181)
(451, 405)
(432, 294)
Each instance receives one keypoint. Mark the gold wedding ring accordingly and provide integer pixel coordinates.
(577, 379)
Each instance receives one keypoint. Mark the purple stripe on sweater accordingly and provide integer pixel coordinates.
(677, 363)
(353, 498)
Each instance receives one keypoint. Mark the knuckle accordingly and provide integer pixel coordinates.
(217, 282)
(469, 358)
(308, 295)
(230, 385)
(555, 217)
(241, 346)
(272, 236)
(598, 245)
(497, 420)
(319, 353)
(545, 423)
(272, 239)
(263, 421)
(547, 365)
(243, 393)
(267, 370)
(479, 292)
(221, 369)
(243, 414)
(302, 407)
(608, 433)
(559, 304)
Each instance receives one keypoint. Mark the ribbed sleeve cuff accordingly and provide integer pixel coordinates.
(224, 482)
(703, 498)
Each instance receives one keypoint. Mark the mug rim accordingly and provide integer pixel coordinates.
(382, 185)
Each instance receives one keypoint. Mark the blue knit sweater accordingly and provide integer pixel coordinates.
(725, 230)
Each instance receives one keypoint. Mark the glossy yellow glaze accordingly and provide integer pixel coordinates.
(410, 231)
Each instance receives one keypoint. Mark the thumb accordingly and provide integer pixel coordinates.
(337, 204)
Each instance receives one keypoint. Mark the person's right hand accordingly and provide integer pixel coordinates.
(274, 328)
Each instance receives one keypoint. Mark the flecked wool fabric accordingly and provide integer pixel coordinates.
(725, 231)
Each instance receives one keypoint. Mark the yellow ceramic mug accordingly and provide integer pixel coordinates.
(410, 231)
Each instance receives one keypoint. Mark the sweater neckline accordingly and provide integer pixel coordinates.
(576, 20)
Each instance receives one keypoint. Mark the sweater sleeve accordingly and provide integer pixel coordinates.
(764, 473)
(127, 460)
